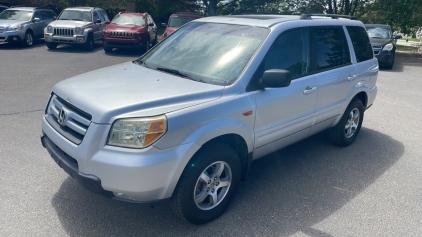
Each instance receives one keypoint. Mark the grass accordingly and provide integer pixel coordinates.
(412, 39)
(409, 49)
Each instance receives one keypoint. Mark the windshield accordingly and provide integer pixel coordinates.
(207, 52)
(179, 21)
(75, 15)
(16, 15)
(379, 32)
(128, 20)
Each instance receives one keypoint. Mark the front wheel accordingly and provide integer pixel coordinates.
(391, 64)
(89, 44)
(51, 45)
(207, 184)
(347, 129)
(29, 39)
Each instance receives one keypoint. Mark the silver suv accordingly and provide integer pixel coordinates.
(186, 120)
(24, 24)
(77, 25)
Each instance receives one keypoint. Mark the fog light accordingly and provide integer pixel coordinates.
(80, 39)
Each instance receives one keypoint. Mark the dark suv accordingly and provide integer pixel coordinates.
(130, 30)
(383, 43)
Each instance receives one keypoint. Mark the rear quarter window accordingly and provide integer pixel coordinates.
(361, 43)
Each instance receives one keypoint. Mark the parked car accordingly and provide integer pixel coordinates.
(77, 26)
(383, 43)
(3, 7)
(177, 20)
(24, 24)
(130, 30)
(185, 121)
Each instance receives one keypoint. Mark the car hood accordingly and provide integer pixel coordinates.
(126, 28)
(5, 23)
(379, 42)
(69, 23)
(131, 90)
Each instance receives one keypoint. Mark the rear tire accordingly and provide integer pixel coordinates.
(208, 184)
(51, 45)
(347, 129)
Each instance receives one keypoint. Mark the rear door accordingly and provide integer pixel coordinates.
(336, 74)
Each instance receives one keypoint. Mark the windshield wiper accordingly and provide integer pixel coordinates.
(77, 20)
(175, 72)
(140, 62)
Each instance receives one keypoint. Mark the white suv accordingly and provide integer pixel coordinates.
(186, 120)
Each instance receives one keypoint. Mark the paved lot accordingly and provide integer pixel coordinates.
(372, 188)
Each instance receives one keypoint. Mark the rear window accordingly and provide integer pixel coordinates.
(176, 21)
(361, 43)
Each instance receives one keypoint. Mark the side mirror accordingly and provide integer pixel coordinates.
(36, 19)
(397, 37)
(275, 78)
(107, 22)
(151, 24)
(98, 21)
(54, 17)
(164, 24)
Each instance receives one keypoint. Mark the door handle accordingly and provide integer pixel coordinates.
(308, 90)
(351, 78)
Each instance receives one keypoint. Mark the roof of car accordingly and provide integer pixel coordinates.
(190, 14)
(81, 8)
(377, 25)
(270, 20)
(22, 8)
(133, 13)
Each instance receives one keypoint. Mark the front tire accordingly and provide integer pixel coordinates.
(89, 44)
(51, 45)
(347, 129)
(390, 66)
(29, 39)
(208, 184)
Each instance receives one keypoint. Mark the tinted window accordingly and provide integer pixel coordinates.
(101, 16)
(331, 47)
(96, 16)
(290, 52)
(361, 44)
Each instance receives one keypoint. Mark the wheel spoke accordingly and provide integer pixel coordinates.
(214, 199)
(201, 197)
(219, 169)
(205, 178)
(224, 183)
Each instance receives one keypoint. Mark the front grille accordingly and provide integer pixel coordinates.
(376, 49)
(120, 34)
(1, 30)
(69, 121)
(63, 32)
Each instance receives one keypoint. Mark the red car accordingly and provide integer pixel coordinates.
(130, 30)
(178, 19)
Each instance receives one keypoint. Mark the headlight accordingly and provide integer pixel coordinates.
(388, 47)
(49, 29)
(13, 28)
(137, 132)
(78, 30)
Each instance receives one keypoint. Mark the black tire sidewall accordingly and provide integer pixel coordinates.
(204, 158)
(345, 141)
(89, 44)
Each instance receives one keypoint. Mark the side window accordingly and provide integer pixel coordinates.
(95, 16)
(361, 43)
(331, 47)
(47, 15)
(105, 15)
(290, 51)
(150, 19)
(100, 14)
(38, 14)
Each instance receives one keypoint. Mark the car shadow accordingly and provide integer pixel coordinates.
(126, 52)
(66, 48)
(287, 191)
(18, 46)
(402, 59)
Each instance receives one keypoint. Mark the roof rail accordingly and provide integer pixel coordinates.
(333, 16)
(196, 13)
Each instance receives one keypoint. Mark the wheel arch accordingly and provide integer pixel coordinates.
(362, 96)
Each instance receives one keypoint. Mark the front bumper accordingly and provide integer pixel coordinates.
(385, 57)
(11, 36)
(133, 175)
(75, 39)
(123, 43)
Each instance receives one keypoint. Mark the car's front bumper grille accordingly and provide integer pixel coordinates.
(120, 34)
(66, 119)
(1, 29)
(376, 49)
(63, 32)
